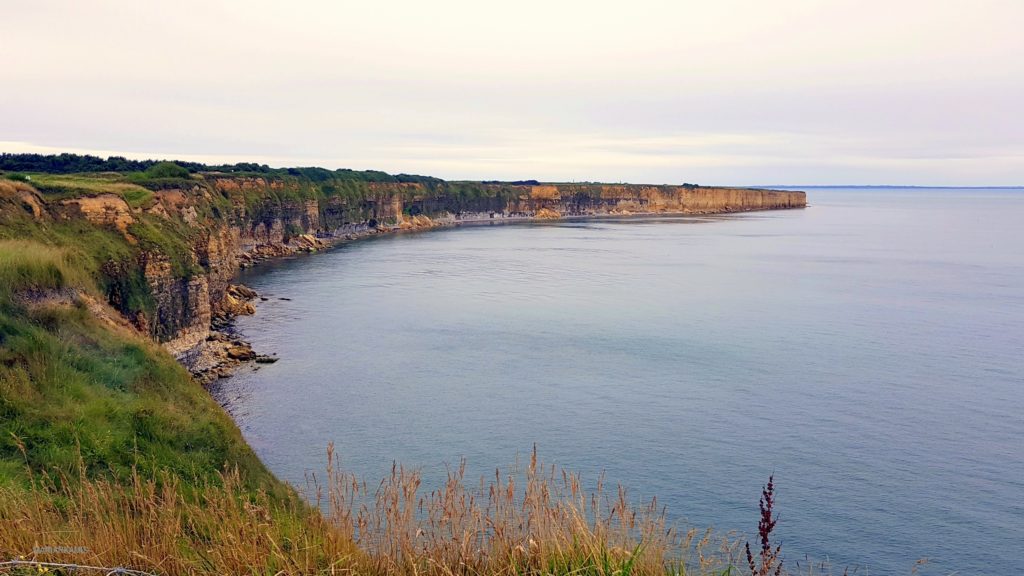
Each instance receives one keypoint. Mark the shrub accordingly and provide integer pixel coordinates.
(166, 170)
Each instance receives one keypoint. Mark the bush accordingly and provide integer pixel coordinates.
(166, 170)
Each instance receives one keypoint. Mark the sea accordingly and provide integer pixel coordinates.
(867, 351)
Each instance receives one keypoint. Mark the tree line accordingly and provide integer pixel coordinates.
(76, 163)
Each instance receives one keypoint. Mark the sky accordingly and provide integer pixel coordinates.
(741, 92)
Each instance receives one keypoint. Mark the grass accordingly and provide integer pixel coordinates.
(65, 186)
(26, 265)
(137, 197)
(165, 237)
(534, 521)
(95, 257)
(77, 391)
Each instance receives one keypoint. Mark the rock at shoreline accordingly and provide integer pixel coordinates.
(241, 352)
(234, 307)
(547, 214)
(241, 291)
(308, 243)
(236, 301)
(221, 354)
(415, 222)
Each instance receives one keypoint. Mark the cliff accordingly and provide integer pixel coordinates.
(165, 250)
(105, 275)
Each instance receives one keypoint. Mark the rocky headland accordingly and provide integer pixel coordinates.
(176, 245)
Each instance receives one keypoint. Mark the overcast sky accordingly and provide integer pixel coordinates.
(714, 92)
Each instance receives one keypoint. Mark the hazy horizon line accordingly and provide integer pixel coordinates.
(209, 162)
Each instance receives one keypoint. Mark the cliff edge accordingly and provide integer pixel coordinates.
(164, 249)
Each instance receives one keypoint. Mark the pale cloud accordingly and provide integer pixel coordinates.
(734, 91)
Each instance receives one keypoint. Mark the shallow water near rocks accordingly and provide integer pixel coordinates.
(866, 350)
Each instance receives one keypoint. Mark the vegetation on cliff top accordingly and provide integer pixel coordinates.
(77, 163)
(65, 176)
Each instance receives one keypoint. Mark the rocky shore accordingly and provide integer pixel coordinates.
(166, 256)
(223, 352)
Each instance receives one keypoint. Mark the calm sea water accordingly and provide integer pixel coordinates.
(868, 351)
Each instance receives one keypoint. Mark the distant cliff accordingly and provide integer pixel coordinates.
(165, 248)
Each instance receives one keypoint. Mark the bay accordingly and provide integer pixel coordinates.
(866, 350)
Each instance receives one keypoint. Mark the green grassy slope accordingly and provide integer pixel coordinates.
(76, 388)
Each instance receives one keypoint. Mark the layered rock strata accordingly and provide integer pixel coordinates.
(190, 241)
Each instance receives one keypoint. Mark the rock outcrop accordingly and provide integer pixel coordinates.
(105, 209)
(237, 301)
(547, 214)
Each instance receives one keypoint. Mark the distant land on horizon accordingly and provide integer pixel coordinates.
(67, 163)
(885, 186)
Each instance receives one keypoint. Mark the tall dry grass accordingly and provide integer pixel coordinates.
(156, 526)
(31, 266)
(536, 521)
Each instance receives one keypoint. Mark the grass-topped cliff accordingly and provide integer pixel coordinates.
(162, 240)
(80, 386)
(111, 272)
(107, 443)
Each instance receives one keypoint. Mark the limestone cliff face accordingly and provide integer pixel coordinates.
(597, 199)
(182, 306)
(188, 242)
(273, 226)
(105, 209)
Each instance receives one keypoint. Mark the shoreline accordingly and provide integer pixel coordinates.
(226, 352)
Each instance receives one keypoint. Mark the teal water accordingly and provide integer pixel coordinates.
(866, 350)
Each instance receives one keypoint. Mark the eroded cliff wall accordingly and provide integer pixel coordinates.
(166, 253)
